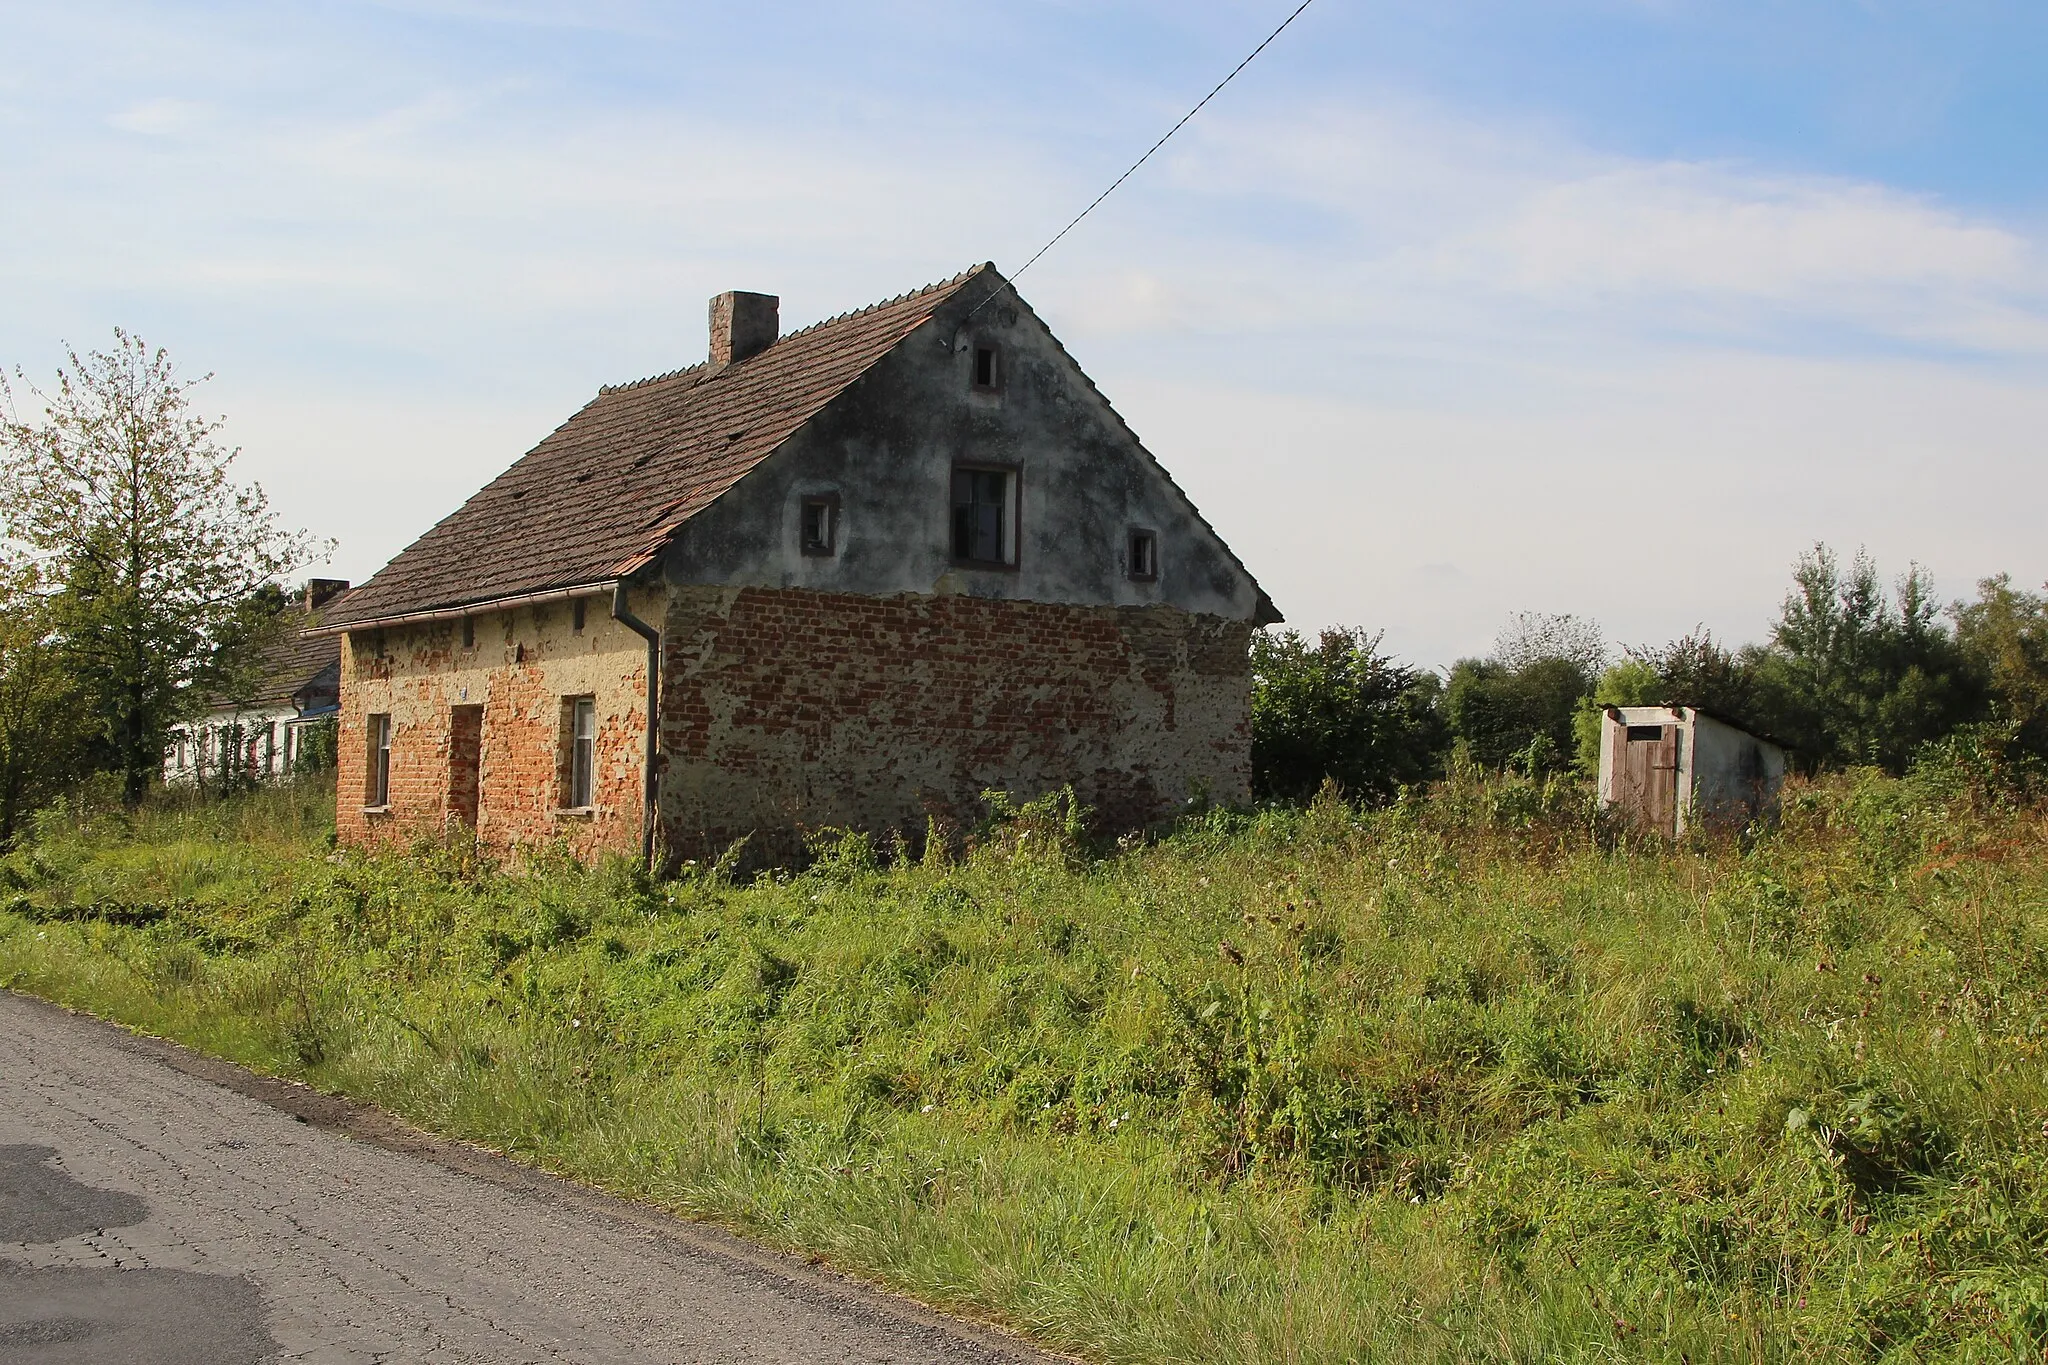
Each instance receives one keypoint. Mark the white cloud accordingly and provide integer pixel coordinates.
(1694, 228)
(162, 117)
(1418, 219)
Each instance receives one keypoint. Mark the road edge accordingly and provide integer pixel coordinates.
(367, 1123)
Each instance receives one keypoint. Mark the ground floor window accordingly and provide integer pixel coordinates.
(581, 727)
(379, 787)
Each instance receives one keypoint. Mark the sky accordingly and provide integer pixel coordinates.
(1443, 311)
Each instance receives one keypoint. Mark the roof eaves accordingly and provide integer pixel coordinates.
(456, 610)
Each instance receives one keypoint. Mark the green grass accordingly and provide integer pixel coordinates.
(1466, 1079)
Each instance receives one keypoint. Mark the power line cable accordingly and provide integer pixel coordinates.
(1147, 157)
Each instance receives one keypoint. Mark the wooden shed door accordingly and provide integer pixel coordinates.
(1648, 774)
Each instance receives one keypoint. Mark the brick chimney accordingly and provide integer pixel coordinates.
(321, 591)
(742, 324)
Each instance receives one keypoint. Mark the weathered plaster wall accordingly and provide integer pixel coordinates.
(787, 710)
(1735, 775)
(524, 662)
(887, 448)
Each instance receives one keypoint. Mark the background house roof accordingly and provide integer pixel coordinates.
(603, 493)
(288, 665)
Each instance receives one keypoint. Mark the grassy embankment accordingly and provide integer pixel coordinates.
(1461, 1080)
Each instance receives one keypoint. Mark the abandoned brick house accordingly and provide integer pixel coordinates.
(859, 574)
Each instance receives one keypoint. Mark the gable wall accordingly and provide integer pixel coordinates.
(886, 685)
(887, 447)
(524, 662)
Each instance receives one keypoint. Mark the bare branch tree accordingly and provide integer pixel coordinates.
(1531, 636)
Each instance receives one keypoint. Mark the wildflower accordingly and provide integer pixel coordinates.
(575, 1023)
(926, 1110)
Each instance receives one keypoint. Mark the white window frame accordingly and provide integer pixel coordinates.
(378, 726)
(582, 792)
(1011, 511)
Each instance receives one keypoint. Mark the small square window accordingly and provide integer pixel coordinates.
(985, 516)
(820, 526)
(988, 367)
(1143, 562)
(1645, 734)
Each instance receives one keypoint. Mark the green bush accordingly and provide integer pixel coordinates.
(1340, 711)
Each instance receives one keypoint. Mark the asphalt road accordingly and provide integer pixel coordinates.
(159, 1206)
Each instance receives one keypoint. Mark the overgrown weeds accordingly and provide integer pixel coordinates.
(1472, 1077)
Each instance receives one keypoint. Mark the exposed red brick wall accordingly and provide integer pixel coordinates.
(522, 667)
(785, 710)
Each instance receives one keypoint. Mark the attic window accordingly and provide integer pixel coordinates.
(820, 528)
(1645, 734)
(988, 367)
(469, 632)
(576, 607)
(1142, 561)
(985, 516)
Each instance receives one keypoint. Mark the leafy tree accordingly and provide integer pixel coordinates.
(1632, 682)
(1515, 717)
(1532, 637)
(2004, 634)
(43, 726)
(1518, 707)
(1340, 709)
(1855, 675)
(1696, 670)
(118, 497)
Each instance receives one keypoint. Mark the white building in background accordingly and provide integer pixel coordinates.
(1670, 769)
(264, 734)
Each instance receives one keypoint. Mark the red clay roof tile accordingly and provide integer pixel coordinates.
(602, 494)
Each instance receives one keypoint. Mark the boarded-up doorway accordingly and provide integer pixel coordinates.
(465, 764)
(1648, 778)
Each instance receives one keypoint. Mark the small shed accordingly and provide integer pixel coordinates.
(1670, 769)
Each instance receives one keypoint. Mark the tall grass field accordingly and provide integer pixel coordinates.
(1474, 1077)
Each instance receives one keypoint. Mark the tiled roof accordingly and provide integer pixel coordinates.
(601, 496)
(295, 659)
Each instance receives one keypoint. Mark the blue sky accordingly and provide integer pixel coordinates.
(1441, 312)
